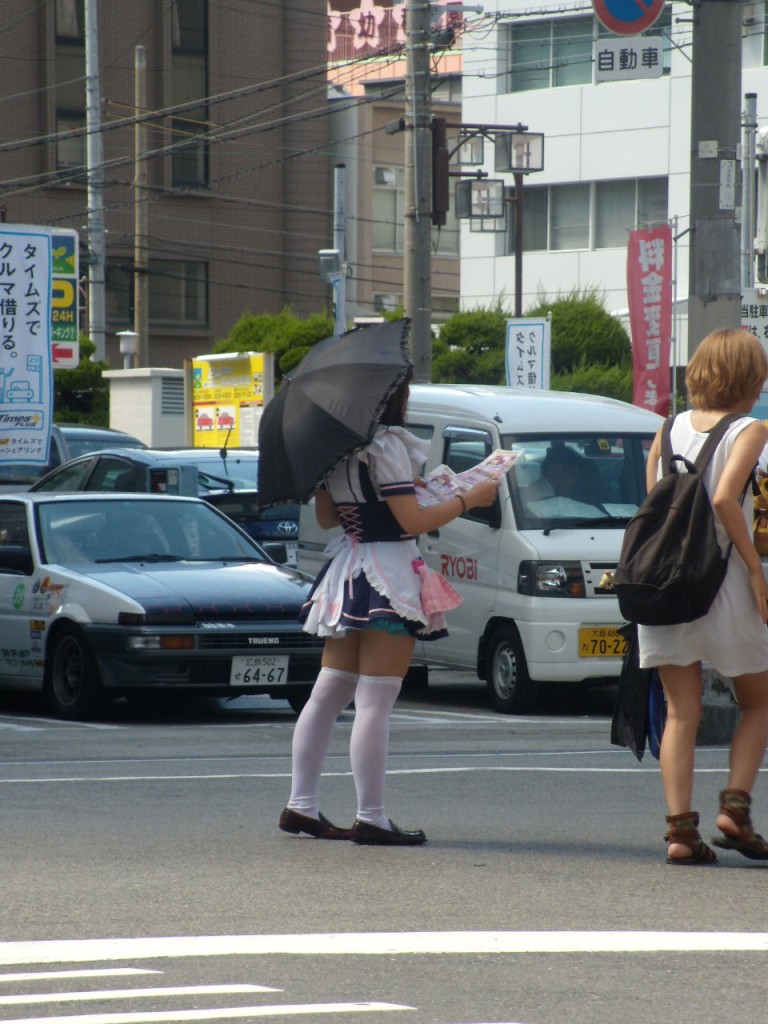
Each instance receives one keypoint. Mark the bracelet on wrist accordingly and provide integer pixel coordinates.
(463, 504)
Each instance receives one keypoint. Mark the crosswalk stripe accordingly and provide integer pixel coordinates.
(105, 972)
(132, 993)
(379, 944)
(226, 1013)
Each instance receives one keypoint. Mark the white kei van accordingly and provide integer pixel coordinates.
(532, 569)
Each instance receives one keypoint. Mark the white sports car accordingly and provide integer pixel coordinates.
(104, 595)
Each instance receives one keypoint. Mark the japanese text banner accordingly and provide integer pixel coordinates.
(649, 293)
(25, 353)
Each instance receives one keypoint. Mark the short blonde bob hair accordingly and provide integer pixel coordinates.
(729, 367)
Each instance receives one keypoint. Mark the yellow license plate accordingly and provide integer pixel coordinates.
(601, 642)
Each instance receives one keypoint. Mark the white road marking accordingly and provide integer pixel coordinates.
(231, 1013)
(464, 769)
(107, 972)
(132, 993)
(379, 944)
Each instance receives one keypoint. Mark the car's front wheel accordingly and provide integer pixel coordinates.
(72, 685)
(510, 688)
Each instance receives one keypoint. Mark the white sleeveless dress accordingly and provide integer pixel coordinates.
(731, 636)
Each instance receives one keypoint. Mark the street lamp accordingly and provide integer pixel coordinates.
(129, 346)
(334, 271)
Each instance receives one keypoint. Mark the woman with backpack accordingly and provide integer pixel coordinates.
(725, 375)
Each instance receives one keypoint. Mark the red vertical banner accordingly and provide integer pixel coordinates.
(649, 293)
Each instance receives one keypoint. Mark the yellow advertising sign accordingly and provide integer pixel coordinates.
(228, 393)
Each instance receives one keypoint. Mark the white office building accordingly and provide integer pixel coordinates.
(616, 152)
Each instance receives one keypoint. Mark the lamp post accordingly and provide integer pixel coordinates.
(517, 151)
(335, 273)
(129, 346)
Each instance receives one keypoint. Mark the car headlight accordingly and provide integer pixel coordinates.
(162, 642)
(551, 579)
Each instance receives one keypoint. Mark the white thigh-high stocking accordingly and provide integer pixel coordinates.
(374, 699)
(332, 692)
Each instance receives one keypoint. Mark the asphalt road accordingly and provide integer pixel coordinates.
(144, 878)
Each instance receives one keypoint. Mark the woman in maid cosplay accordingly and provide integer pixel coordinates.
(372, 599)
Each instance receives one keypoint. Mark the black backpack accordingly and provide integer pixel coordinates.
(671, 565)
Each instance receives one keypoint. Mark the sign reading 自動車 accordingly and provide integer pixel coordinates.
(25, 343)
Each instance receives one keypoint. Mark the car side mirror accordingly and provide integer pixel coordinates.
(16, 558)
(277, 551)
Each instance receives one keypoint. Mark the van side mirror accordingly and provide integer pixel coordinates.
(16, 558)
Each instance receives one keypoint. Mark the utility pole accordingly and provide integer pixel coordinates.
(95, 175)
(748, 155)
(340, 243)
(714, 272)
(417, 257)
(140, 211)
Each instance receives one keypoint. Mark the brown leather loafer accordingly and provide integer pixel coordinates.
(366, 834)
(292, 821)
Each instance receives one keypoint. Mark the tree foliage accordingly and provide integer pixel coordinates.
(583, 331)
(285, 334)
(591, 351)
(470, 348)
(80, 394)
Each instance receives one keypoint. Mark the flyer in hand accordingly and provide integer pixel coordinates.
(442, 483)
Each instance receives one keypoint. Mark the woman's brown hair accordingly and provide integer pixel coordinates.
(729, 367)
(394, 411)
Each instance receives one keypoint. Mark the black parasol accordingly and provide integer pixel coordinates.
(328, 408)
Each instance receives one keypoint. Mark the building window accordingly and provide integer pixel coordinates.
(597, 215)
(178, 293)
(189, 82)
(387, 209)
(569, 217)
(388, 202)
(69, 77)
(560, 52)
(70, 21)
(549, 53)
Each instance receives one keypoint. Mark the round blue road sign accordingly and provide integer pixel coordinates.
(627, 17)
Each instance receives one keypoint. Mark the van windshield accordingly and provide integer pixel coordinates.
(577, 480)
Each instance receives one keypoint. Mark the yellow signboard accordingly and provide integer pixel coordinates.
(228, 393)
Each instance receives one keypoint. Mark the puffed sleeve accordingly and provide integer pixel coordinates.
(390, 464)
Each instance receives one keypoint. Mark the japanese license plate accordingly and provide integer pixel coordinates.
(259, 670)
(601, 642)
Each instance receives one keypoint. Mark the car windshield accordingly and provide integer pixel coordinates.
(577, 480)
(83, 445)
(136, 530)
(238, 470)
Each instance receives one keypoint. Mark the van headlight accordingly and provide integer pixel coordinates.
(551, 579)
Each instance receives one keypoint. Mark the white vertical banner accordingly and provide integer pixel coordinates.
(26, 378)
(529, 353)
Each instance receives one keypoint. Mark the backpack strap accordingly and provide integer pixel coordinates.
(714, 437)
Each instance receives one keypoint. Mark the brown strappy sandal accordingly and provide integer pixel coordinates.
(684, 828)
(735, 804)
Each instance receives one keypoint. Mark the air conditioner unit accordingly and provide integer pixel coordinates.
(385, 176)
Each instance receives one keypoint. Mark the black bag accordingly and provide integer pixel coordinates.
(640, 711)
(671, 565)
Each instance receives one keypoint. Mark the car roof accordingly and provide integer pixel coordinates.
(520, 410)
(155, 456)
(72, 497)
(85, 429)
